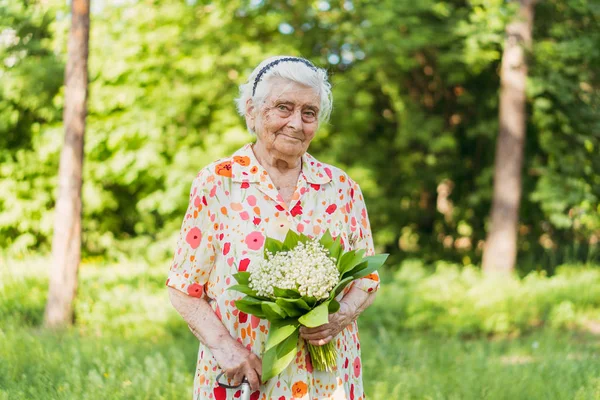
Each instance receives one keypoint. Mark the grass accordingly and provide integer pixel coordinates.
(544, 365)
(129, 344)
(38, 365)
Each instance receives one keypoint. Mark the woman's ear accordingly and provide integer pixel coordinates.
(250, 115)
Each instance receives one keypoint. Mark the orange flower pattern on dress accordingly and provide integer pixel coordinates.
(373, 276)
(299, 389)
(242, 160)
(233, 207)
(224, 169)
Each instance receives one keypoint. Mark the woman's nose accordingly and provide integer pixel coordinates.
(295, 120)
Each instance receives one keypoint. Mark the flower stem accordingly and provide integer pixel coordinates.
(324, 358)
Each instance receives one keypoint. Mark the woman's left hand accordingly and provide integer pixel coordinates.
(351, 306)
(323, 334)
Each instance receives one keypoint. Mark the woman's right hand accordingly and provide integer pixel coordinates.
(238, 362)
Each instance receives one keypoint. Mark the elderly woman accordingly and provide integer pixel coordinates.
(263, 190)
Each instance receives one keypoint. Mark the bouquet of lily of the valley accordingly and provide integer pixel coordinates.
(296, 284)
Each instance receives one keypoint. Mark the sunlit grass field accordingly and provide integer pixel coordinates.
(130, 344)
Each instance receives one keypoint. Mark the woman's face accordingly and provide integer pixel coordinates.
(288, 119)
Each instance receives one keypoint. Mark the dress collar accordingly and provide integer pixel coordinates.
(246, 168)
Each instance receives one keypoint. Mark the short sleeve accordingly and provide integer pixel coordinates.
(195, 253)
(361, 236)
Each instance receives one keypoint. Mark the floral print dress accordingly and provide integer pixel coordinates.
(233, 207)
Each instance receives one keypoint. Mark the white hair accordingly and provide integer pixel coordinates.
(295, 71)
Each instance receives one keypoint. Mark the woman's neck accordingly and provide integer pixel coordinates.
(272, 159)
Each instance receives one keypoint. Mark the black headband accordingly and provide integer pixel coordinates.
(274, 63)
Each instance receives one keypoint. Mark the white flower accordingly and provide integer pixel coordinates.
(306, 268)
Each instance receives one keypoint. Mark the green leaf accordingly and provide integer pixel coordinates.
(311, 301)
(273, 311)
(290, 308)
(279, 357)
(375, 262)
(243, 278)
(251, 306)
(268, 365)
(287, 293)
(358, 268)
(316, 317)
(334, 306)
(333, 245)
(280, 330)
(291, 240)
(326, 240)
(245, 289)
(300, 303)
(303, 238)
(340, 286)
(336, 248)
(272, 245)
(350, 259)
(249, 301)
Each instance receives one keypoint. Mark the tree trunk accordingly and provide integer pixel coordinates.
(66, 242)
(500, 251)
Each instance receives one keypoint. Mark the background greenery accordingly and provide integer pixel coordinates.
(416, 104)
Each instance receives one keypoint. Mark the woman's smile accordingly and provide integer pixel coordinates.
(289, 137)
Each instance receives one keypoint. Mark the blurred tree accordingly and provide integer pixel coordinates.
(500, 251)
(66, 243)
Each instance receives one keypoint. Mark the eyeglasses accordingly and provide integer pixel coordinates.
(286, 110)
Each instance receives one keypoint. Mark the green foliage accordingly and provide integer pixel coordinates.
(457, 301)
(415, 117)
(565, 100)
(31, 75)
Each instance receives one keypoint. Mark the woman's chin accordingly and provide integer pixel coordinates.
(291, 147)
